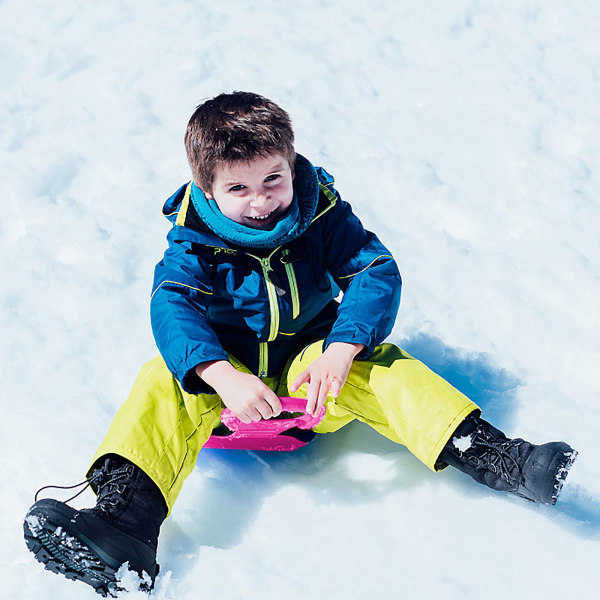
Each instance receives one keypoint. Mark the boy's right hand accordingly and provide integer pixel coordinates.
(244, 394)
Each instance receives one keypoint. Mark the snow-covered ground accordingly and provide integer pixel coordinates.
(466, 133)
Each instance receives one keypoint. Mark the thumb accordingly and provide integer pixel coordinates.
(301, 379)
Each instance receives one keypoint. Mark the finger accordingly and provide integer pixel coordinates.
(274, 403)
(253, 414)
(264, 409)
(244, 418)
(323, 389)
(320, 395)
(335, 387)
(300, 379)
(311, 397)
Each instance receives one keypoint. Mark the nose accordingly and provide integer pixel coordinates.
(260, 199)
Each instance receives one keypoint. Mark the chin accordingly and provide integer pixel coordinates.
(266, 226)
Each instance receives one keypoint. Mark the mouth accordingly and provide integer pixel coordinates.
(262, 220)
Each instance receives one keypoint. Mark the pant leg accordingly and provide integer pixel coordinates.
(160, 428)
(395, 394)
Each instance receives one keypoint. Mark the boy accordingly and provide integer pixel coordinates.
(243, 312)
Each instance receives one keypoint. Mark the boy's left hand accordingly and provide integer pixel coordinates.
(326, 374)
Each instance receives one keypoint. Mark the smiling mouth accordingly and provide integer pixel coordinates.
(263, 218)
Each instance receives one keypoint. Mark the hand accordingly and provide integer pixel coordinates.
(326, 374)
(244, 394)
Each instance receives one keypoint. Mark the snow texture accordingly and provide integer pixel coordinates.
(465, 133)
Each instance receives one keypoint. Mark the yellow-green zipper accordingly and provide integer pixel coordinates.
(263, 347)
(289, 269)
(263, 359)
(272, 293)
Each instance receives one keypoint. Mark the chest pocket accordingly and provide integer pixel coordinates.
(288, 259)
(231, 272)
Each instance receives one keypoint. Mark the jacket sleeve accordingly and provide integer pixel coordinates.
(181, 295)
(367, 274)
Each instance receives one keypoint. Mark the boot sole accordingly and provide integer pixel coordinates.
(60, 550)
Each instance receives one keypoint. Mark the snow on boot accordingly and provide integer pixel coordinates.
(91, 545)
(536, 473)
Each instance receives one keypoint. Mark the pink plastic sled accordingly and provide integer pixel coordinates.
(270, 434)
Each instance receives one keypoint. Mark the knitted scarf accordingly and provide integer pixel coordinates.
(289, 227)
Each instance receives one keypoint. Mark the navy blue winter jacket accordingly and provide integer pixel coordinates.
(211, 298)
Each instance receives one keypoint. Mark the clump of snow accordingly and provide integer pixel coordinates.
(33, 521)
(129, 580)
(132, 586)
(462, 443)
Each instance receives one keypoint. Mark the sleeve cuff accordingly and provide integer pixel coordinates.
(186, 374)
(352, 338)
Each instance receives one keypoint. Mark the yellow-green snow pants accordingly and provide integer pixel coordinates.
(161, 428)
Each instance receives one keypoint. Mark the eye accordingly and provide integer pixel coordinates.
(237, 188)
(272, 177)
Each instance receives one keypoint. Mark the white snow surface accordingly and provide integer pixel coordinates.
(465, 133)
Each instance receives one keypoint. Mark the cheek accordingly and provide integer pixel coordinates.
(230, 209)
(286, 196)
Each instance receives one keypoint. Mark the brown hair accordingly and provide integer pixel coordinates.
(240, 126)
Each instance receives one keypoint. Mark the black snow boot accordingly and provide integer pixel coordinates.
(91, 545)
(534, 472)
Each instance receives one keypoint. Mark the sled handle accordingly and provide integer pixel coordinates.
(274, 426)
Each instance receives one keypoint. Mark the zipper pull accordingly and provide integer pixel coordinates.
(266, 264)
(271, 275)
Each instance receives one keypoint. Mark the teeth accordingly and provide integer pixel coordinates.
(263, 217)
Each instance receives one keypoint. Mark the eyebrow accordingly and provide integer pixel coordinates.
(277, 167)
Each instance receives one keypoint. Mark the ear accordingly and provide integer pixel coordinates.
(207, 195)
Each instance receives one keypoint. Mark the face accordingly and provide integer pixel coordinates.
(256, 194)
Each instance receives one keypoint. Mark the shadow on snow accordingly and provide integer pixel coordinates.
(235, 483)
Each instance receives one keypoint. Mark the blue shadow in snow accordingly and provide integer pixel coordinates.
(492, 388)
(319, 467)
(582, 510)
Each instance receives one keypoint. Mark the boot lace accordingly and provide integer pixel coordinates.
(85, 483)
(109, 481)
(112, 485)
(497, 456)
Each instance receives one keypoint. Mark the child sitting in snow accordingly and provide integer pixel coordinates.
(243, 312)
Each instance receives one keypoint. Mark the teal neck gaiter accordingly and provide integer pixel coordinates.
(289, 227)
